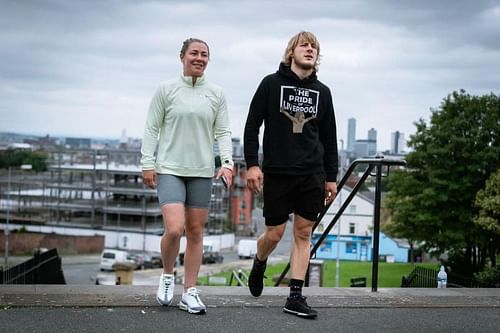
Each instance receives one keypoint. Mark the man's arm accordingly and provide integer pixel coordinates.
(255, 118)
(328, 137)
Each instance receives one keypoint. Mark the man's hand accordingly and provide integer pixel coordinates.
(149, 178)
(255, 179)
(330, 192)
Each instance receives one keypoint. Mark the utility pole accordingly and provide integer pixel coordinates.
(7, 221)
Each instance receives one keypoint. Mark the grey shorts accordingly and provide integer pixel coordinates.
(193, 192)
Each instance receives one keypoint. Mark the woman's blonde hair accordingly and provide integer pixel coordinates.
(294, 41)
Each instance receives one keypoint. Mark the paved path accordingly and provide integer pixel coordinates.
(45, 308)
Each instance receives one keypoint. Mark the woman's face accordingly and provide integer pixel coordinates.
(195, 60)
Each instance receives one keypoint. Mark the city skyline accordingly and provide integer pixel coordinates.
(90, 68)
(124, 138)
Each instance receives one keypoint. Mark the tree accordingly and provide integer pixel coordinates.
(15, 158)
(432, 201)
(488, 217)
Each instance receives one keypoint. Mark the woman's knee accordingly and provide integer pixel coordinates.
(194, 234)
(173, 232)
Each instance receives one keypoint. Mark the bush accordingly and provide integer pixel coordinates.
(491, 275)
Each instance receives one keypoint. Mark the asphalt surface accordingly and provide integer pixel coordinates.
(44, 308)
(240, 319)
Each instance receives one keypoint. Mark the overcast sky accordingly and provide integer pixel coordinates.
(90, 68)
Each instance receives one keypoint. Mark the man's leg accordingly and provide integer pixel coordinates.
(299, 260)
(266, 243)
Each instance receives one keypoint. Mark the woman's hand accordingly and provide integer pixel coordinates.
(227, 174)
(149, 178)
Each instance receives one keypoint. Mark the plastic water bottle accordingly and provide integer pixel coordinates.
(442, 278)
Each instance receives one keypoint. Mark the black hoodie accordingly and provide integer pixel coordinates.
(300, 133)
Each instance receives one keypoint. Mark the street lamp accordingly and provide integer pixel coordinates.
(7, 220)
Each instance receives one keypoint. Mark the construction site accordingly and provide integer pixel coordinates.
(103, 189)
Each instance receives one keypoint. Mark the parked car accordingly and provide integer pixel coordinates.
(247, 248)
(147, 260)
(209, 256)
(109, 257)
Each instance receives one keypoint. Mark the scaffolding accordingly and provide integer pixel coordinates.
(102, 189)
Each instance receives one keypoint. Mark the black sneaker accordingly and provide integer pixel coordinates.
(298, 306)
(256, 277)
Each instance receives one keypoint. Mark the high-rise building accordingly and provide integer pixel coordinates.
(372, 134)
(237, 147)
(398, 143)
(372, 139)
(351, 134)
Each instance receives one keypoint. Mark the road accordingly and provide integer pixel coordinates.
(81, 273)
(86, 270)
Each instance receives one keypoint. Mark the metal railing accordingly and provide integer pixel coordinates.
(240, 278)
(371, 163)
(43, 268)
(422, 277)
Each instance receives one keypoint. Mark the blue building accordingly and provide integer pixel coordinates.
(352, 235)
(360, 248)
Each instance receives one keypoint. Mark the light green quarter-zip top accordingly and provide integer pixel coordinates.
(181, 125)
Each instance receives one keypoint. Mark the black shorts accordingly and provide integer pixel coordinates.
(285, 194)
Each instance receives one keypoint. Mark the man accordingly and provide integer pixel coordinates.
(300, 160)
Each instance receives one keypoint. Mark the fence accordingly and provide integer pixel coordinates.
(239, 277)
(43, 268)
(422, 277)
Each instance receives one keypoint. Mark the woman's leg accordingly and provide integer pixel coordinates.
(195, 223)
(173, 221)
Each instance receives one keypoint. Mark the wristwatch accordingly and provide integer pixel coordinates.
(228, 164)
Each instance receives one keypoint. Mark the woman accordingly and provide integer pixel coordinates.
(185, 116)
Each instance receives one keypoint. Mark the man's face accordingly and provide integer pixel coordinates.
(195, 59)
(305, 55)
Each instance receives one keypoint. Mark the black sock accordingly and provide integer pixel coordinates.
(296, 287)
(260, 262)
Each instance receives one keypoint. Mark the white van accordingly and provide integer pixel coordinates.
(247, 248)
(111, 256)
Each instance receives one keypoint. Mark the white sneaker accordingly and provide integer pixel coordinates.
(191, 302)
(165, 291)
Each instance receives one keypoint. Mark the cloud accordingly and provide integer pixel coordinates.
(89, 68)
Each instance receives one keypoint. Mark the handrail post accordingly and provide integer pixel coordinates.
(376, 227)
(372, 163)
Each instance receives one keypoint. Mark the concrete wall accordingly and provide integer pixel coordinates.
(125, 240)
(21, 243)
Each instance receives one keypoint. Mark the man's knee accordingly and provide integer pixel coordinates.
(302, 229)
(275, 233)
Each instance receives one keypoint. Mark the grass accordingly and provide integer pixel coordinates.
(389, 274)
